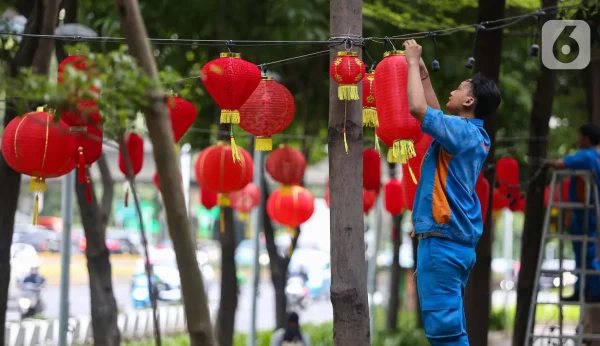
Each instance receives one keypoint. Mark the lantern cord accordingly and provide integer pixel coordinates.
(126, 197)
(345, 116)
(377, 147)
(82, 173)
(36, 205)
(88, 191)
(222, 220)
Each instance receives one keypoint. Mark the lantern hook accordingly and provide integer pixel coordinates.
(387, 41)
(348, 44)
(228, 44)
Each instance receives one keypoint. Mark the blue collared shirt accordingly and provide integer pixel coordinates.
(583, 159)
(446, 201)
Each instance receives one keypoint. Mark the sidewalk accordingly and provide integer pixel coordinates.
(505, 338)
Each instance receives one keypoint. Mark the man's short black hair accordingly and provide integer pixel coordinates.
(487, 96)
(592, 132)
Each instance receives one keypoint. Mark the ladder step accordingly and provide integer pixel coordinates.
(570, 173)
(572, 205)
(585, 336)
(577, 303)
(572, 237)
(573, 271)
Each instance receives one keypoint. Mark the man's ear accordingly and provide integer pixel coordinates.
(469, 102)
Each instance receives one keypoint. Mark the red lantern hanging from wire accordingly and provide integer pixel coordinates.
(208, 199)
(347, 70)
(78, 62)
(244, 200)
(269, 110)
(369, 199)
(482, 189)
(500, 201)
(393, 196)
(286, 165)
(183, 114)
(369, 110)
(133, 145)
(507, 176)
(409, 186)
(35, 145)
(398, 129)
(371, 169)
(518, 204)
(291, 209)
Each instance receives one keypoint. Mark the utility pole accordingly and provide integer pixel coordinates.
(348, 266)
(65, 256)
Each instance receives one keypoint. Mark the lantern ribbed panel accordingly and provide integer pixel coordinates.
(208, 199)
(393, 197)
(215, 171)
(286, 165)
(482, 189)
(36, 145)
(371, 169)
(291, 208)
(347, 70)
(230, 81)
(183, 115)
(369, 110)
(408, 185)
(398, 129)
(246, 199)
(269, 110)
(369, 198)
(134, 145)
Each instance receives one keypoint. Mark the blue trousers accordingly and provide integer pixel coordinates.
(443, 268)
(592, 280)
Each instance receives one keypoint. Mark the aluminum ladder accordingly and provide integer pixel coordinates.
(579, 338)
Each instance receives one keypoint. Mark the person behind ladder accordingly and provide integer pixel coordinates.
(447, 213)
(586, 158)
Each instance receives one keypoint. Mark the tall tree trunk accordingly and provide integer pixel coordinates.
(395, 272)
(95, 220)
(488, 51)
(160, 132)
(10, 181)
(534, 217)
(591, 78)
(348, 266)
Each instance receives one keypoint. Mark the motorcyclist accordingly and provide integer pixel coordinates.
(34, 277)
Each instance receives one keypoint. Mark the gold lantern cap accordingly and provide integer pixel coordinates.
(231, 55)
(268, 78)
(345, 53)
(393, 52)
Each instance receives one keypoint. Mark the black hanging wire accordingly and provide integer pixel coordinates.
(534, 50)
(471, 60)
(435, 64)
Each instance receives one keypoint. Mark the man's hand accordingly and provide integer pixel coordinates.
(423, 69)
(412, 52)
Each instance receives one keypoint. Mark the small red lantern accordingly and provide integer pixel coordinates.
(394, 200)
(409, 186)
(245, 200)
(398, 129)
(269, 110)
(36, 145)
(369, 199)
(134, 146)
(208, 198)
(291, 209)
(230, 80)
(482, 189)
(347, 70)
(286, 165)
(217, 174)
(183, 114)
(369, 110)
(371, 169)
(507, 176)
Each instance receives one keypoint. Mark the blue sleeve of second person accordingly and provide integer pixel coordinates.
(579, 160)
(453, 133)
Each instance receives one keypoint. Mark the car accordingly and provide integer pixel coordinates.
(41, 238)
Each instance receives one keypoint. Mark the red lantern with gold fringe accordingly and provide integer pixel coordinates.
(369, 199)
(291, 209)
(269, 110)
(394, 200)
(183, 114)
(36, 145)
(398, 129)
(230, 80)
(217, 174)
(208, 199)
(286, 165)
(371, 169)
(347, 70)
(409, 178)
(244, 200)
(369, 110)
(134, 146)
(482, 189)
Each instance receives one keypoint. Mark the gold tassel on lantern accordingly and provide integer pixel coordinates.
(345, 141)
(377, 146)
(230, 116)
(401, 152)
(36, 185)
(234, 151)
(285, 190)
(348, 92)
(223, 202)
(293, 233)
(176, 149)
(263, 144)
(243, 216)
(369, 117)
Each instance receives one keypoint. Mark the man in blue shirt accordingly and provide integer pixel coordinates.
(447, 213)
(586, 158)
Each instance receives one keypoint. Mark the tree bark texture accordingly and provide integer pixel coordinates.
(95, 218)
(10, 180)
(348, 266)
(591, 78)
(541, 111)
(160, 133)
(395, 272)
(488, 51)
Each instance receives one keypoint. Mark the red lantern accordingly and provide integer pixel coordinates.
(269, 110)
(409, 186)
(286, 165)
(36, 145)
(369, 110)
(371, 169)
(507, 176)
(347, 70)
(398, 129)
(183, 114)
(208, 199)
(369, 199)
(245, 200)
(518, 204)
(565, 193)
(157, 181)
(78, 62)
(134, 146)
(482, 189)
(500, 201)
(291, 209)
(394, 200)
(230, 80)
(85, 113)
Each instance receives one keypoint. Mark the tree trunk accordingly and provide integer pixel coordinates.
(488, 51)
(534, 217)
(95, 218)
(395, 272)
(160, 133)
(10, 181)
(351, 322)
(591, 78)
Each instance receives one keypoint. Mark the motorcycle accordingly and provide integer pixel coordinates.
(296, 293)
(30, 300)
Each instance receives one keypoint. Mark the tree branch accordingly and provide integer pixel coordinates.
(108, 186)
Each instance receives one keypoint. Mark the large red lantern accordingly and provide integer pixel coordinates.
(482, 189)
(409, 177)
(245, 200)
(369, 199)
(286, 165)
(230, 80)
(347, 70)
(394, 200)
(134, 146)
(183, 114)
(398, 129)
(291, 209)
(36, 145)
(369, 110)
(371, 169)
(269, 110)
(216, 173)
(208, 199)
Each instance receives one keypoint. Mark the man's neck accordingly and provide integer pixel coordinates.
(466, 115)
